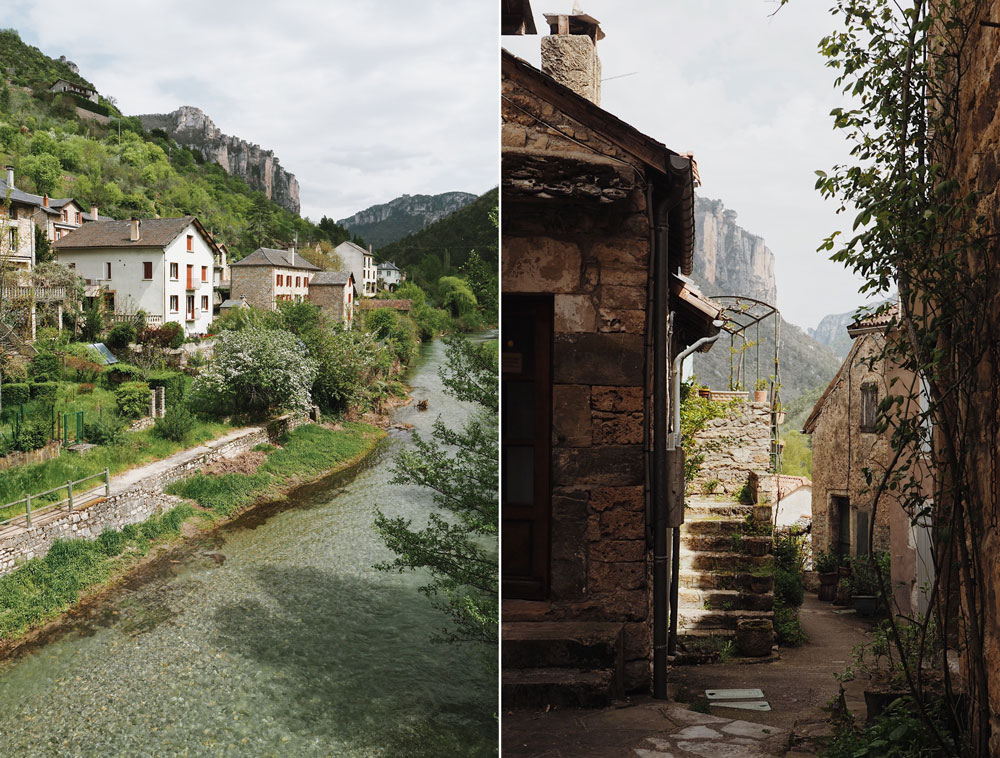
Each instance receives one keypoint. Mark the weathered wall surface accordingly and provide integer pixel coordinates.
(735, 446)
(593, 259)
(132, 505)
(41, 455)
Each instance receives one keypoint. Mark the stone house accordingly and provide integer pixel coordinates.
(596, 218)
(55, 216)
(846, 441)
(388, 276)
(361, 263)
(161, 266)
(266, 276)
(17, 235)
(335, 294)
(62, 85)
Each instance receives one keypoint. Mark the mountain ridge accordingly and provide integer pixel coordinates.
(385, 223)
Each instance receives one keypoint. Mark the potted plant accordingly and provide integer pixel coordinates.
(779, 414)
(865, 585)
(843, 591)
(826, 564)
(760, 391)
(754, 637)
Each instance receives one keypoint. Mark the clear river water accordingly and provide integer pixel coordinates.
(273, 636)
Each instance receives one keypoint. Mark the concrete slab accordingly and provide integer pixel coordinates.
(746, 694)
(697, 733)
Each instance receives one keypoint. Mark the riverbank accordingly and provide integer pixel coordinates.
(36, 596)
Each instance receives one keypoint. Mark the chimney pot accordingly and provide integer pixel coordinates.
(93, 212)
(10, 177)
(569, 53)
(45, 200)
(134, 229)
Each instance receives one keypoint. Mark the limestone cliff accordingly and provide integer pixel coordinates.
(388, 222)
(729, 260)
(259, 168)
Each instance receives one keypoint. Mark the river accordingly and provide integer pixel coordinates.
(292, 645)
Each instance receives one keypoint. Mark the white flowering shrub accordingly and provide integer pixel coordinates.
(255, 370)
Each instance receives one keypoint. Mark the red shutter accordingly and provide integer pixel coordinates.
(147, 269)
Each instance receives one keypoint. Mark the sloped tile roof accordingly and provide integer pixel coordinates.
(330, 277)
(153, 232)
(265, 256)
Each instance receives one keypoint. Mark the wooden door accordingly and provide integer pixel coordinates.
(525, 438)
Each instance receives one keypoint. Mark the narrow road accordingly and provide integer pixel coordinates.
(798, 688)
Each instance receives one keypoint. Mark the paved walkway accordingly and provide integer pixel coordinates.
(798, 688)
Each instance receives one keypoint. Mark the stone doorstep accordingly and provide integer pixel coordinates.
(718, 599)
(557, 687)
(720, 561)
(704, 620)
(584, 645)
(711, 526)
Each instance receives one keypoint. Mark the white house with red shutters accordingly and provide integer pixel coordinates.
(163, 267)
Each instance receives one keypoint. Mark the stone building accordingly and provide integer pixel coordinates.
(82, 90)
(266, 276)
(847, 442)
(335, 294)
(54, 216)
(596, 218)
(361, 263)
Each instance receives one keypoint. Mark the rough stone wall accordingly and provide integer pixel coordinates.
(593, 260)
(132, 506)
(735, 446)
(256, 282)
(331, 298)
(571, 59)
(41, 455)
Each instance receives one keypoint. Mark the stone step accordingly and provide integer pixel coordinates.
(710, 543)
(713, 511)
(712, 526)
(703, 620)
(558, 687)
(723, 561)
(712, 599)
(700, 646)
(585, 645)
(717, 580)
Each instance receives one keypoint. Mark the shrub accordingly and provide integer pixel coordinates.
(123, 372)
(45, 392)
(45, 368)
(174, 385)
(132, 399)
(176, 424)
(175, 332)
(85, 388)
(121, 335)
(15, 394)
(788, 587)
(111, 543)
(106, 429)
(32, 434)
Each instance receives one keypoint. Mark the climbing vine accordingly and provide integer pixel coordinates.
(920, 230)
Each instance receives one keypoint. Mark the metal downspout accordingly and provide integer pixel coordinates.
(661, 547)
(647, 358)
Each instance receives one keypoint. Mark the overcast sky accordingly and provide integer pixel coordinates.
(362, 101)
(749, 95)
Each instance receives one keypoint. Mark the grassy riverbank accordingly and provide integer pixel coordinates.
(42, 588)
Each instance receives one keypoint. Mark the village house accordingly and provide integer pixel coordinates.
(17, 236)
(268, 276)
(361, 263)
(222, 278)
(847, 441)
(56, 217)
(388, 276)
(335, 293)
(597, 219)
(62, 85)
(162, 267)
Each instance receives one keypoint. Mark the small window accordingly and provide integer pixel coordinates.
(12, 234)
(173, 303)
(190, 242)
(298, 281)
(73, 266)
(79, 218)
(173, 271)
(869, 407)
(63, 217)
(107, 270)
(147, 269)
(204, 273)
(281, 280)
(58, 234)
(204, 302)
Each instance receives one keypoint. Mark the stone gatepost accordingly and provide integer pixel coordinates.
(161, 400)
(152, 403)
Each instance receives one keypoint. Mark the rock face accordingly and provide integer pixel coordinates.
(192, 128)
(729, 260)
(389, 222)
(832, 331)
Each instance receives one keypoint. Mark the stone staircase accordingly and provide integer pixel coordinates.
(568, 664)
(720, 583)
(11, 343)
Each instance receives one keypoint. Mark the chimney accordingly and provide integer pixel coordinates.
(569, 53)
(10, 177)
(45, 200)
(134, 229)
(93, 212)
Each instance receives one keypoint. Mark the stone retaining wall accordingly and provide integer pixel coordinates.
(132, 506)
(41, 455)
(736, 446)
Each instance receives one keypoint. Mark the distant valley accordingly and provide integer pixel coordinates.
(389, 222)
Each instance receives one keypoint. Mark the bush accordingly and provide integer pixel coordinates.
(85, 389)
(123, 372)
(106, 429)
(175, 332)
(171, 334)
(45, 368)
(45, 392)
(788, 587)
(15, 394)
(132, 399)
(111, 543)
(122, 335)
(32, 434)
(176, 424)
(174, 385)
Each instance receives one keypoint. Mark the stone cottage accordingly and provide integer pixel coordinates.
(597, 217)
(334, 292)
(267, 276)
(847, 441)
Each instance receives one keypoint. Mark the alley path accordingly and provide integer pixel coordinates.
(798, 688)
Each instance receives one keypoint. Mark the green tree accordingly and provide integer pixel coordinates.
(458, 546)
(44, 171)
(456, 295)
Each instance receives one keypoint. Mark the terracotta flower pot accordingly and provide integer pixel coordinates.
(754, 637)
(760, 396)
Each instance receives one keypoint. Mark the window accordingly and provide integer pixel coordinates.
(190, 242)
(298, 281)
(204, 273)
(204, 302)
(58, 234)
(190, 307)
(305, 281)
(79, 218)
(147, 269)
(281, 280)
(173, 271)
(869, 407)
(107, 270)
(63, 217)
(173, 303)
(12, 235)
